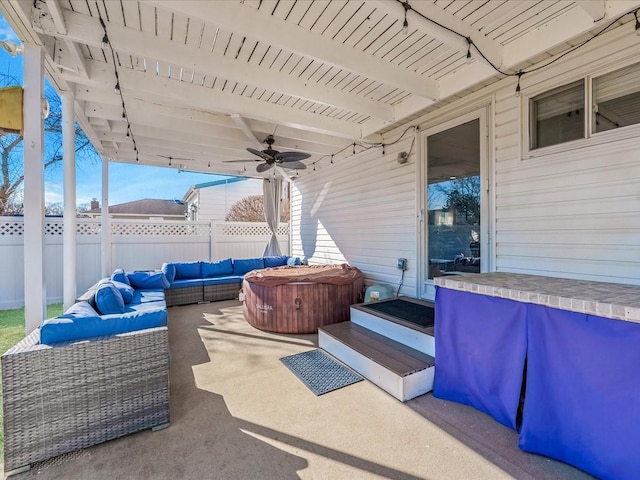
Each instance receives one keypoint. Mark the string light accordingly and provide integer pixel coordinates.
(116, 89)
(635, 14)
(332, 159)
(405, 24)
(469, 42)
(520, 73)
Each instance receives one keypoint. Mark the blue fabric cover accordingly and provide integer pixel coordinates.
(582, 390)
(148, 280)
(481, 344)
(294, 261)
(223, 279)
(189, 282)
(146, 296)
(275, 261)
(187, 270)
(169, 270)
(244, 265)
(214, 269)
(81, 321)
(119, 275)
(108, 299)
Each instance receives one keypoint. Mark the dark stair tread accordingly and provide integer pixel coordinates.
(393, 355)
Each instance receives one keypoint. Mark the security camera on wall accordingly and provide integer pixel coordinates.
(403, 157)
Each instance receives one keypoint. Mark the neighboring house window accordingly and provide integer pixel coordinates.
(616, 99)
(557, 116)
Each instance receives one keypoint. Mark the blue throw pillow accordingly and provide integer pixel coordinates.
(275, 261)
(120, 276)
(125, 290)
(244, 265)
(294, 261)
(169, 270)
(187, 270)
(215, 269)
(148, 280)
(108, 299)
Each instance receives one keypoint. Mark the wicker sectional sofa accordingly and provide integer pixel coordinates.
(196, 282)
(86, 377)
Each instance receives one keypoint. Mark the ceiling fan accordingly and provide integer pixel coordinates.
(272, 157)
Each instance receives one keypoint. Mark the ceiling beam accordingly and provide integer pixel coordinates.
(561, 29)
(244, 20)
(595, 8)
(86, 29)
(154, 88)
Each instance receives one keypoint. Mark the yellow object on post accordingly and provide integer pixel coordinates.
(11, 110)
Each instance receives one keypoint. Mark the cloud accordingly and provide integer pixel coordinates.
(6, 33)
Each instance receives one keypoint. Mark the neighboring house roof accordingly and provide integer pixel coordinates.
(214, 183)
(147, 206)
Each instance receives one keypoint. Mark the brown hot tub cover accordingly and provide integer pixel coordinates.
(342, 274)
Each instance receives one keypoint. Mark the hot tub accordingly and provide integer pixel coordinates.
(300, 299)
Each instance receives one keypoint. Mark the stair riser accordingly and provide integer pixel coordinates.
(407, 336)
(403, 388)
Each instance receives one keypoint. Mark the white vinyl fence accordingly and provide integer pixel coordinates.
(135, 245)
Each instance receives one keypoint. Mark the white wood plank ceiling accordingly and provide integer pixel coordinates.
(200, 81)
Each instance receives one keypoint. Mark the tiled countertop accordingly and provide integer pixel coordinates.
(611, 300)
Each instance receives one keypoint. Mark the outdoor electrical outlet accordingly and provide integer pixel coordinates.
(402, 263)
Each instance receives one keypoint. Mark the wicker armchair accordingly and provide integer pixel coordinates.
(63, 397)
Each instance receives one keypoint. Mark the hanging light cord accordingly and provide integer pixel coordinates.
(117, 88)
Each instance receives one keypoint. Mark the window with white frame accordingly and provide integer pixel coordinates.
(559, 116)
(616, 99)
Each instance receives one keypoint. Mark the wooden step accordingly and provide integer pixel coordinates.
(398, 369)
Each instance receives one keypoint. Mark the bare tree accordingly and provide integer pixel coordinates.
(11, 151)
(251, 209)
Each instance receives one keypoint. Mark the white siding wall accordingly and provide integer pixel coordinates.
(215, 202)
(360, 210)
(572, 214)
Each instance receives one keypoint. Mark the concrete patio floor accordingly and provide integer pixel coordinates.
(238, 413)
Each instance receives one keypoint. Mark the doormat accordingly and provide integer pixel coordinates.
(320, 372)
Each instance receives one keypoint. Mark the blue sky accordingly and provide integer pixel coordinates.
(126, 182)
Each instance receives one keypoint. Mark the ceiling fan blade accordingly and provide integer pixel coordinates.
(245, 160)
(296, 165)
(291, 156)
(260, 154)
(263, 167)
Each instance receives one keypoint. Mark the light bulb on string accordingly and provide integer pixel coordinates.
(469, 42)
(405, 24)
(116, 89)
(518, 85)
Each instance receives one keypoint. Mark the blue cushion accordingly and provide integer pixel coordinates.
(77, 322)
(244, 265)
(293, 261)
(120, 276)
(275, 261)
(108, 299)
(169, 270)
(125, 290)
(187, 270)
(223, 279)
(81, 321)
(148, 280)
(221, 267)
(147, 296)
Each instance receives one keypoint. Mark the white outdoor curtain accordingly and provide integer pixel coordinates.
(272, 190)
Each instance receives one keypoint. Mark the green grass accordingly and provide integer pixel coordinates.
(11, 332)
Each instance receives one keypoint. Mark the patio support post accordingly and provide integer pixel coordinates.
(106, 221)
(69, 231)
(35, 298)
